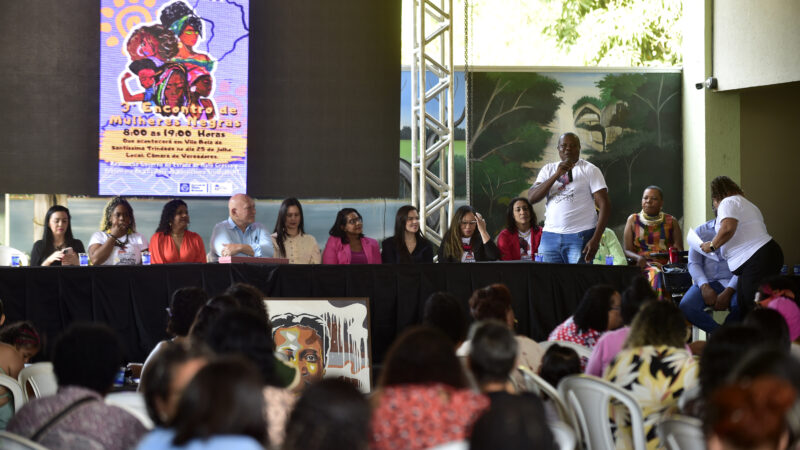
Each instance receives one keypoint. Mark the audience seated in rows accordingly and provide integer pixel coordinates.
(330, 415)
(289, 238)
(654, 367)
(57, 247)
(422, 399)
(19, 342)
(494, 302)
(611, 342)
(443, 312)
(183, 307)
(247, 334)
(221, 408)
(166, 376)
(347, 243)
(86, 359)
(407, 244)
(597, 312)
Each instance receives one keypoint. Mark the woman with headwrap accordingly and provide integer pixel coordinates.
(188, 27)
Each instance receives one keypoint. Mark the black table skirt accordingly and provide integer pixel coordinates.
(132, 299)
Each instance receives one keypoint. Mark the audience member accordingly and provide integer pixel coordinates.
(773, 328)
(780, 293)
(407, 245)
(207, 314)
(246, 334)
(166, 376)
(240, 234)
(492, 354)
(86, 359)
(183, 308)
(221, 408)
(750, 415)
(610, 343)
(461, 244)
(422, 398)
(520, 238)
(19, 342)
(513, 423)
(742, 236)
(650, 234)
(714, 284)
(330, 415)
(289, 238)
(173, 242)
(494, 302)
(249, 297)
(598, 312)
(558, 362)
(443, 312)
(57, 246)
(117, 242)
(654, 367)
(347, 244)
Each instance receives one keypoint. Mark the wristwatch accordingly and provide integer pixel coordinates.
(711, 246)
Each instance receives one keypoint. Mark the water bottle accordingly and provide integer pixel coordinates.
(145, 258)
(15, 261)
(609, 260)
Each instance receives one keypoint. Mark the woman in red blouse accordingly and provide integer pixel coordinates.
(173, 242)
(520, 239)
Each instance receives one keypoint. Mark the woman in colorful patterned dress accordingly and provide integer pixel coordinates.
(654, 367)
(650, 234)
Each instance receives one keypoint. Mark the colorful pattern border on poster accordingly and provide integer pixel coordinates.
(173, 97)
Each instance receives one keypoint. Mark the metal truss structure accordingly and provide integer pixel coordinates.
(432, 128)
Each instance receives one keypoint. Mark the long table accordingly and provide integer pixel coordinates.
(133, 299)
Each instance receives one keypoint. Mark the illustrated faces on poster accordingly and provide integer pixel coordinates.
(303, 348)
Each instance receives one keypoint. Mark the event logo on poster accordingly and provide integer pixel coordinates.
(173, 97)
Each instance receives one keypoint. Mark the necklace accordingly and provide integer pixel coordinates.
(526, 234)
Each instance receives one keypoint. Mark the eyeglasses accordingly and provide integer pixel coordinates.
(473, 223)
(355, 221)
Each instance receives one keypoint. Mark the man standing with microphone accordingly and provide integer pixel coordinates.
(573, 187)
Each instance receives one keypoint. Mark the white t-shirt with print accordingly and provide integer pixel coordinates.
(751, 232)
(132, 254)
(570, 204)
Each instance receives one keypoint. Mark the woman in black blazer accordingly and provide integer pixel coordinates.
(407, 245)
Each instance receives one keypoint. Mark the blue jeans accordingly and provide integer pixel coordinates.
(564, 248)
(693, 306)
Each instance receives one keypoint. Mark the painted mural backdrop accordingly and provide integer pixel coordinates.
(173, 97)
(629, 125)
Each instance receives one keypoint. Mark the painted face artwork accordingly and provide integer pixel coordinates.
(189, 36)
(147, 78)
(302, 347)
(174, 91)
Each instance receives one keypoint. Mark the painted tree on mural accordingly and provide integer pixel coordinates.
(647, 149)
(507, 127)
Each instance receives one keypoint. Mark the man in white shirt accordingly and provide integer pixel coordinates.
(240, 234)
(573, 186)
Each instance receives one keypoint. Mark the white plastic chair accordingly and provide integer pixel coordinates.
(589, 398)
(11, 441)
(681, 433)
(582, 351)
(564, 435)
(133, 403)
(538, 385)
(16, 391)
(7, 252)
(41, 378)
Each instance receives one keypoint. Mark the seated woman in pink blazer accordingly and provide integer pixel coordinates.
(347, 244)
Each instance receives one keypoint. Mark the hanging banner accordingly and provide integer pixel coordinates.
(173, 97)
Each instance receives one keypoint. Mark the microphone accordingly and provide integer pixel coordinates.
(570, 175)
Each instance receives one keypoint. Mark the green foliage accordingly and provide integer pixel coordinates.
(507, 128)
(591, 100)
(497, 183)
(643, 32)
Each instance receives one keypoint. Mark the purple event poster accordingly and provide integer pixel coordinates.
(173, 97)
